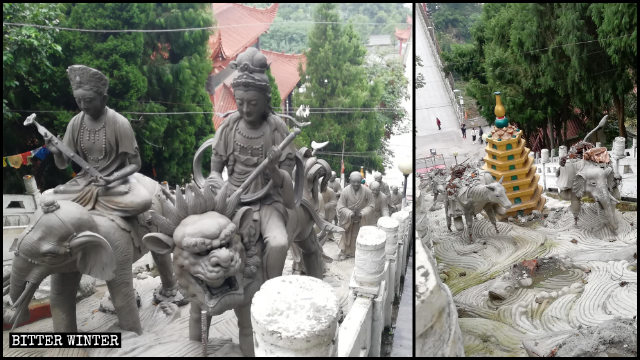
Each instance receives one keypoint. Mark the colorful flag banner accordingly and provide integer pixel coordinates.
(16, 161)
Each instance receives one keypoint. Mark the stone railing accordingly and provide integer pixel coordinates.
(380, 264)
(437, 332)
(298, 315)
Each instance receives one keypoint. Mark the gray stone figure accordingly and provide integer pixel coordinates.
(330, 202)
(354, 205)
(384, 188)
(244, 139)
(438, 180)
(217, 260)
(334, 184)
(306, 245)
(469, 194)
(105, 140)
(588, 171)
(395, 200)
(68, 241)
(102, 243)
(381, 203)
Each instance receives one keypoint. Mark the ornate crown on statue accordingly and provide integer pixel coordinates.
(84, 77)
(251, 67)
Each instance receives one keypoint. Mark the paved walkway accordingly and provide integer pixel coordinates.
(433, 100)
(403, 334)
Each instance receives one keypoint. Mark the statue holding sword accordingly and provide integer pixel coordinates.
(103, 143)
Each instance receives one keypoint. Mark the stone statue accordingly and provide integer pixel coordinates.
(330, 202)
(242, 142)
(306, 245)
(438, 181)
(384, 188)
(334, 184)
(588, 170)
(105, 140)
(68, 240)
(468, 193)
(217, 260)
(354, 205)
(381, 204)
(395, 200)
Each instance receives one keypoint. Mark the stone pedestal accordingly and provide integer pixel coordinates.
(402, 217)
(562, 151)
(295, 316)
(370, 257)
(390, 227)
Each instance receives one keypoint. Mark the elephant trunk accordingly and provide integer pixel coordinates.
(608, 204)
(25, 279)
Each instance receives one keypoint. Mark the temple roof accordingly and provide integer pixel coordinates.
(284, 68)
(405, 34)
(240, 27)
(222, 101)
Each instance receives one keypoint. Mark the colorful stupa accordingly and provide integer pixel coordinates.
(508, 157)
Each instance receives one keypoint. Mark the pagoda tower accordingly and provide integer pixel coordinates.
(508, 157)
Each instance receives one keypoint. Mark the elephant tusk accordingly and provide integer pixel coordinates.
(24, 294)
(23, 302)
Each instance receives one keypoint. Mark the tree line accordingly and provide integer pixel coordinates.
(552, 62)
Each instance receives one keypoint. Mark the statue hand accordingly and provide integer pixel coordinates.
(48, 142)
(101, 181)
(274, 160)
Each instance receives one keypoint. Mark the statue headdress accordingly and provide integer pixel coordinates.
(84, 77)
(251, 67)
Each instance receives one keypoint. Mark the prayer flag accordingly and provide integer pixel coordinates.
(42, 153)
(15, 161)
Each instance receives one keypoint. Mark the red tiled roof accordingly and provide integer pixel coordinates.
(222, 101)
(405, 34)
(575, 126)
(284, 68)
(240, 27)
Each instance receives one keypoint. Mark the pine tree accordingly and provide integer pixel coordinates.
(336, 78)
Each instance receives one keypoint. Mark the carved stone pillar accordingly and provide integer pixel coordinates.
(295, 316)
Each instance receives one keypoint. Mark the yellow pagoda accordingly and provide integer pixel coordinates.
(508, 157)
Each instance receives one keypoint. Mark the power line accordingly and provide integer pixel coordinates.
(191, 29)
(204, 112)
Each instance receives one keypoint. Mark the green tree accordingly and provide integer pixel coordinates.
(28, 81)
(337, 78)
(275, 93)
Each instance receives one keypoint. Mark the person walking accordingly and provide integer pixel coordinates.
(474, 133)
(463, 128)
(480, 134)
(438, 122)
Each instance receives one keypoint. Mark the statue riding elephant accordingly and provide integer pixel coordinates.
(587, 170)
(67, 241)
(471, 200)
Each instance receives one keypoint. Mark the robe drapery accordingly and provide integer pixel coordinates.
(124, 197)
(381, 208)
(350, 201)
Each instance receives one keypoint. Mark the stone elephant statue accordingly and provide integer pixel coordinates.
(580, 177)
(217, 260)
(471, 200)
(67, 241)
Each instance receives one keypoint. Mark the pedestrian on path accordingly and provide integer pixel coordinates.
(438, 122)
(480, 135)
(463, 128)
(474, 134)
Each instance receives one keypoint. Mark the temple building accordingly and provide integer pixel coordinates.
(240, 27)
(508, 157)
(403, 35)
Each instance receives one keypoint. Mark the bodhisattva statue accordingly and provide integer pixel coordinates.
(105, 140)
(384, 188)
(354, 205)
(395, 200)
(242, 142)
(89, 225)
(381, 204)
